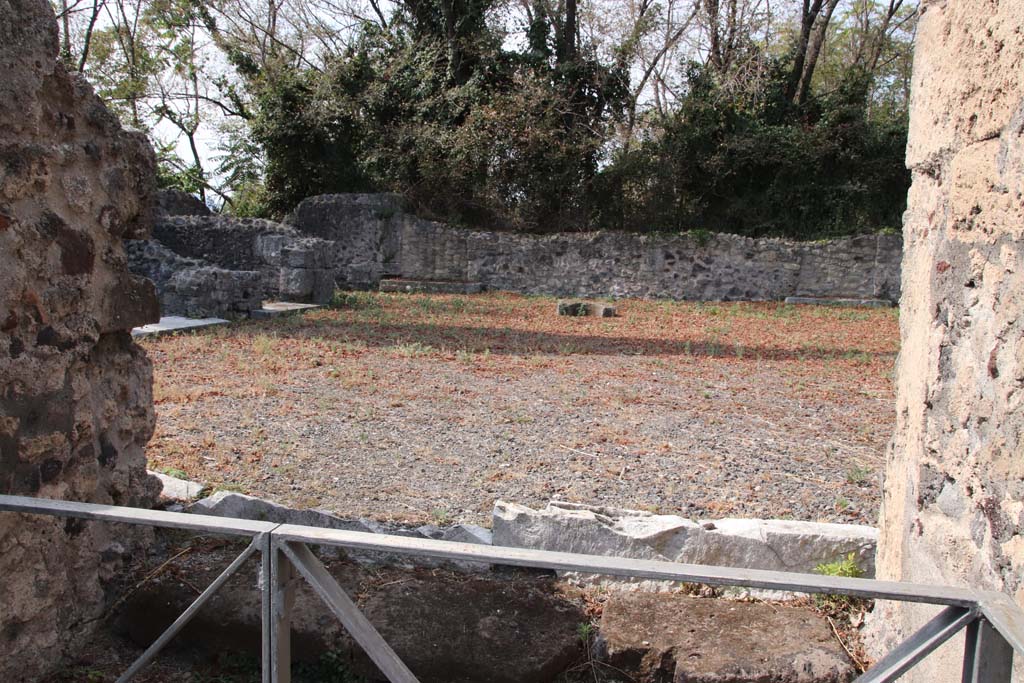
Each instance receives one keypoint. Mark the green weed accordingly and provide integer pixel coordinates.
(840, 605)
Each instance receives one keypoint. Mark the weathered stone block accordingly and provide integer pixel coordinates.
(76, 407)
(296, 283)
(777, 545)
(298, 257)
(178, 489)
(586, 308)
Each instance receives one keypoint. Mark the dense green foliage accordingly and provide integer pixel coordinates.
(762, 166)
(519, 140)
(499, 139)
(779, 118)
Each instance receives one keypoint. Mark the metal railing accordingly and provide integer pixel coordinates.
(994, 623)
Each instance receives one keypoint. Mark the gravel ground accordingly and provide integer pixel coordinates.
(428, 408)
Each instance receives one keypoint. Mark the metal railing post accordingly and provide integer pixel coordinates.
(988, 657)
(282, 600)
(266, 608)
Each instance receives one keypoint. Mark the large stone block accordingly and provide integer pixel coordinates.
(76, 407)
(778, 545)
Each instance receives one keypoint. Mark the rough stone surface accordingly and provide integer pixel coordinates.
(178, 489)
(779, 545)
(365, 230)
(222, 266)
(195, 288)
(591, 308)
(694, 640)
(76, 407)
(953, 506)
(178, 203)
(375, 239)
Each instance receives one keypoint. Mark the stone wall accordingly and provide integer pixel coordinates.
(178, 203)
(365, 230)
(374, 238)
(953, 507)
(195, 288)
(76, 408)
(205, 265)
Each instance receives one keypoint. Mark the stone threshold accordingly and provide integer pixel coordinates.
(275, 309)
(409, 286)
(769, 544)
(170, 324)
(840, 302)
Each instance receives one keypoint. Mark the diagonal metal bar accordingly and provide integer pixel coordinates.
(915, 648)
(348, 613)
(190, 612)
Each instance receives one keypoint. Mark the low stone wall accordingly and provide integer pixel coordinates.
(375, 238)
(195, 288)
(76, 406)
(769, 544)
(220, 266)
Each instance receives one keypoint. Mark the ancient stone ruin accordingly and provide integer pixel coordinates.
(208, 265)
(217, 266)
(375, 238)
(953, 510)
(76, 406)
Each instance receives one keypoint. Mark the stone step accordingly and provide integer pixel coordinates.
(175, 323)
(275, 309)
(830, 301)
(429, 286)
(664, 637)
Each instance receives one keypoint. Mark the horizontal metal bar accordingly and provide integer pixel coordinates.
(190, 612)
(113, 513)
(900, 659)
(620, 566)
